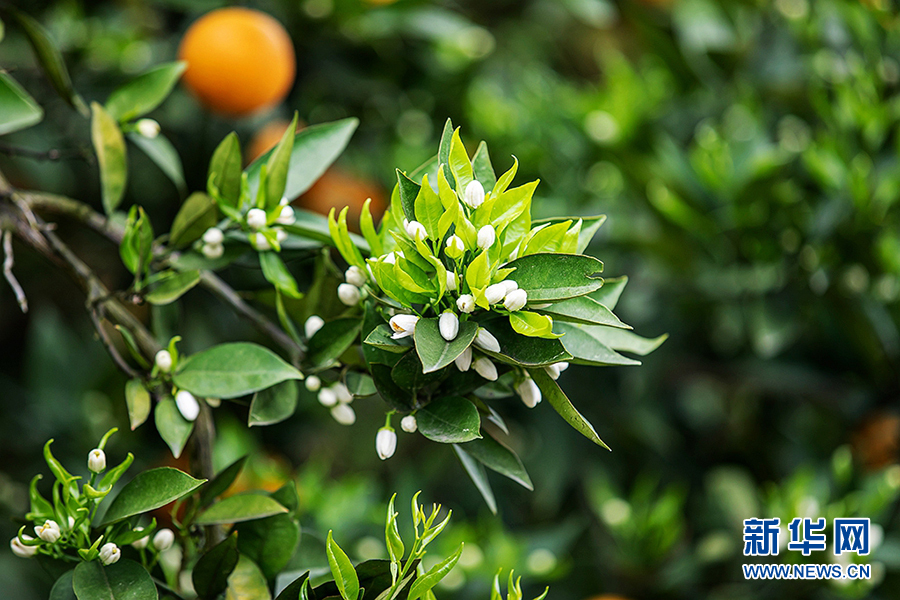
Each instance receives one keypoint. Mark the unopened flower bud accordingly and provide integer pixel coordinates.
(109, 554)
(484, 339)
(484, 367)
(313, 383)
(455, 246)
(213, 235)
(529, 392)
(214, 402)
(474, 194)
(260, 242)
(342, 392)
(141, 543)
(349, 294)
(486, 237)
(464, 360)
(187, 405)
(416, 230)
(495, 293)
(147, 128)
(49, 531)
(256, 218)
(386, 442)
(465, 303)
(562, 366)
(327, 397)
(403, 325)
(510, 285)
(96, 461)
(355, 276)
(451, 281)
(312, 325)
(344, 414)
(20, 549)
(552, 371)
(409, 424)
(280, 234)
(515, 300)
(163, 539)
(448, 324)
(389, 258)
(163, 361)
(286, 216)
(212, 251)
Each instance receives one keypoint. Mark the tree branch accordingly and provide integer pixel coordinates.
(8, 263)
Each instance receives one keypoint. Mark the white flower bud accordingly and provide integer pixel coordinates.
(484, 339)
(529, 392)
(213, 235)
(212, 251)
(286, 216)
(355, 276)
(214, 402)
(96, 461)
(187, 405)
(455, 246)
(562, 366)
(344, 414)
(312, 325)
(448, 324)
(256, 218)
(313, 383)
(342, 392)
(327, 397)
(403, 325)
(465, 303)
(163, 539)
(389, 258)
(284, 201)
(20, 549)
(260, 242)
(386, 443)
(464, 360)
(163, 361)
(486, 237)
(409, 424)
(484, 367)
(49, 531)
(474, 194)
(71, 522)
(451, 281)
(416, 230)
(349, 294)
(495, 293)
(280, 234)
(509, 285)
(141, 543)
(148, 128)
(552, 371)
(109, 554)
(515, 300)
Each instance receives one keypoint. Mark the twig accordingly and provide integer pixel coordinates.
(52, 154)
(8, 263)
(110, 346)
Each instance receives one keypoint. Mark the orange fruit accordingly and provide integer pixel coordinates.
(337, 189)
(876, 441)
(266, 137)
(239, 61)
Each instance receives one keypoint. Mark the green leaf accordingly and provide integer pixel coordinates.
(161, 151)
(392, 538)
(276, 273)
(428, 209)
(331, 341)
(293, 589)
(145, 92)
(425, 582)
(532, 324)
(342, 570)
(63, 589)
(233, 370)
(274, 404)
(109, 144)
(581, 342)
(482, 167)
(173, 428)
(122, 580)
(589, 226)
(247, 582)
(380, 337)
(315, 148)
(499, 458)
(196, 215)
(517, 349)
(626, 341)
(561, 404)
(225, 170)
(210, 574)
(434, 351)
(360, 385)
(552, 277)
(449, 421)
(444, 151)
(50, 59)
(584, 310)
(609, 294)
(137, 398)
(409, 191)
(243, 507)
(278, 166)
(408, 373)
(478, 475)
(269, 542)
(137, 242)
(459, 163)
(18, 110)
(150, 490)
(171, 288)
(221, 482)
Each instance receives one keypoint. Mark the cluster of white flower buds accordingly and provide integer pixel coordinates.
(350, 292)
(338, 398)
(257, 220)
(212, 247)
(508, 292)
(162, 540)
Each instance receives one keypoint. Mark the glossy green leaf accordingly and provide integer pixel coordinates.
(562, 405)
(609, 294)
(460, 165)
(409, 191)
(449, 421)
(222, 481)
(18, 110)
(478, 475)
(444, 151)
(145, 92)
(293, 590)
(380, 337)
(169, 289)
(173, 428)
(225, 170)
(136, 248)
(434, 351)
(553, 277)
(409, 373)
(360, 385)
(109, 144)
(247, 582)
(584, 310)
(122, 580)
(434, 575)
(626, 341)
(269, 542)
(332, 340)
(63, 587)
(276, 273)
(161, 151)
(151, 490)
(210, 574)
(274, 404)
(517, 349)
(278, 166)
(137, 398)
(243, 507)
(233, 370)
(586, 347)
(428, 209)
(482, 167)
(342, 570)
(196, 215)
(532, 324)
(589, 227)
(499, 458)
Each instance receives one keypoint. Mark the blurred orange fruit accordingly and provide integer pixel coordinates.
(876, 442)
(239, 61)
(266, 137)
(337, 189)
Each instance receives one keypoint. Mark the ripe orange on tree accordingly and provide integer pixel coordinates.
(239, 61)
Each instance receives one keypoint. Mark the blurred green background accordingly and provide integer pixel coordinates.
(746, 153)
